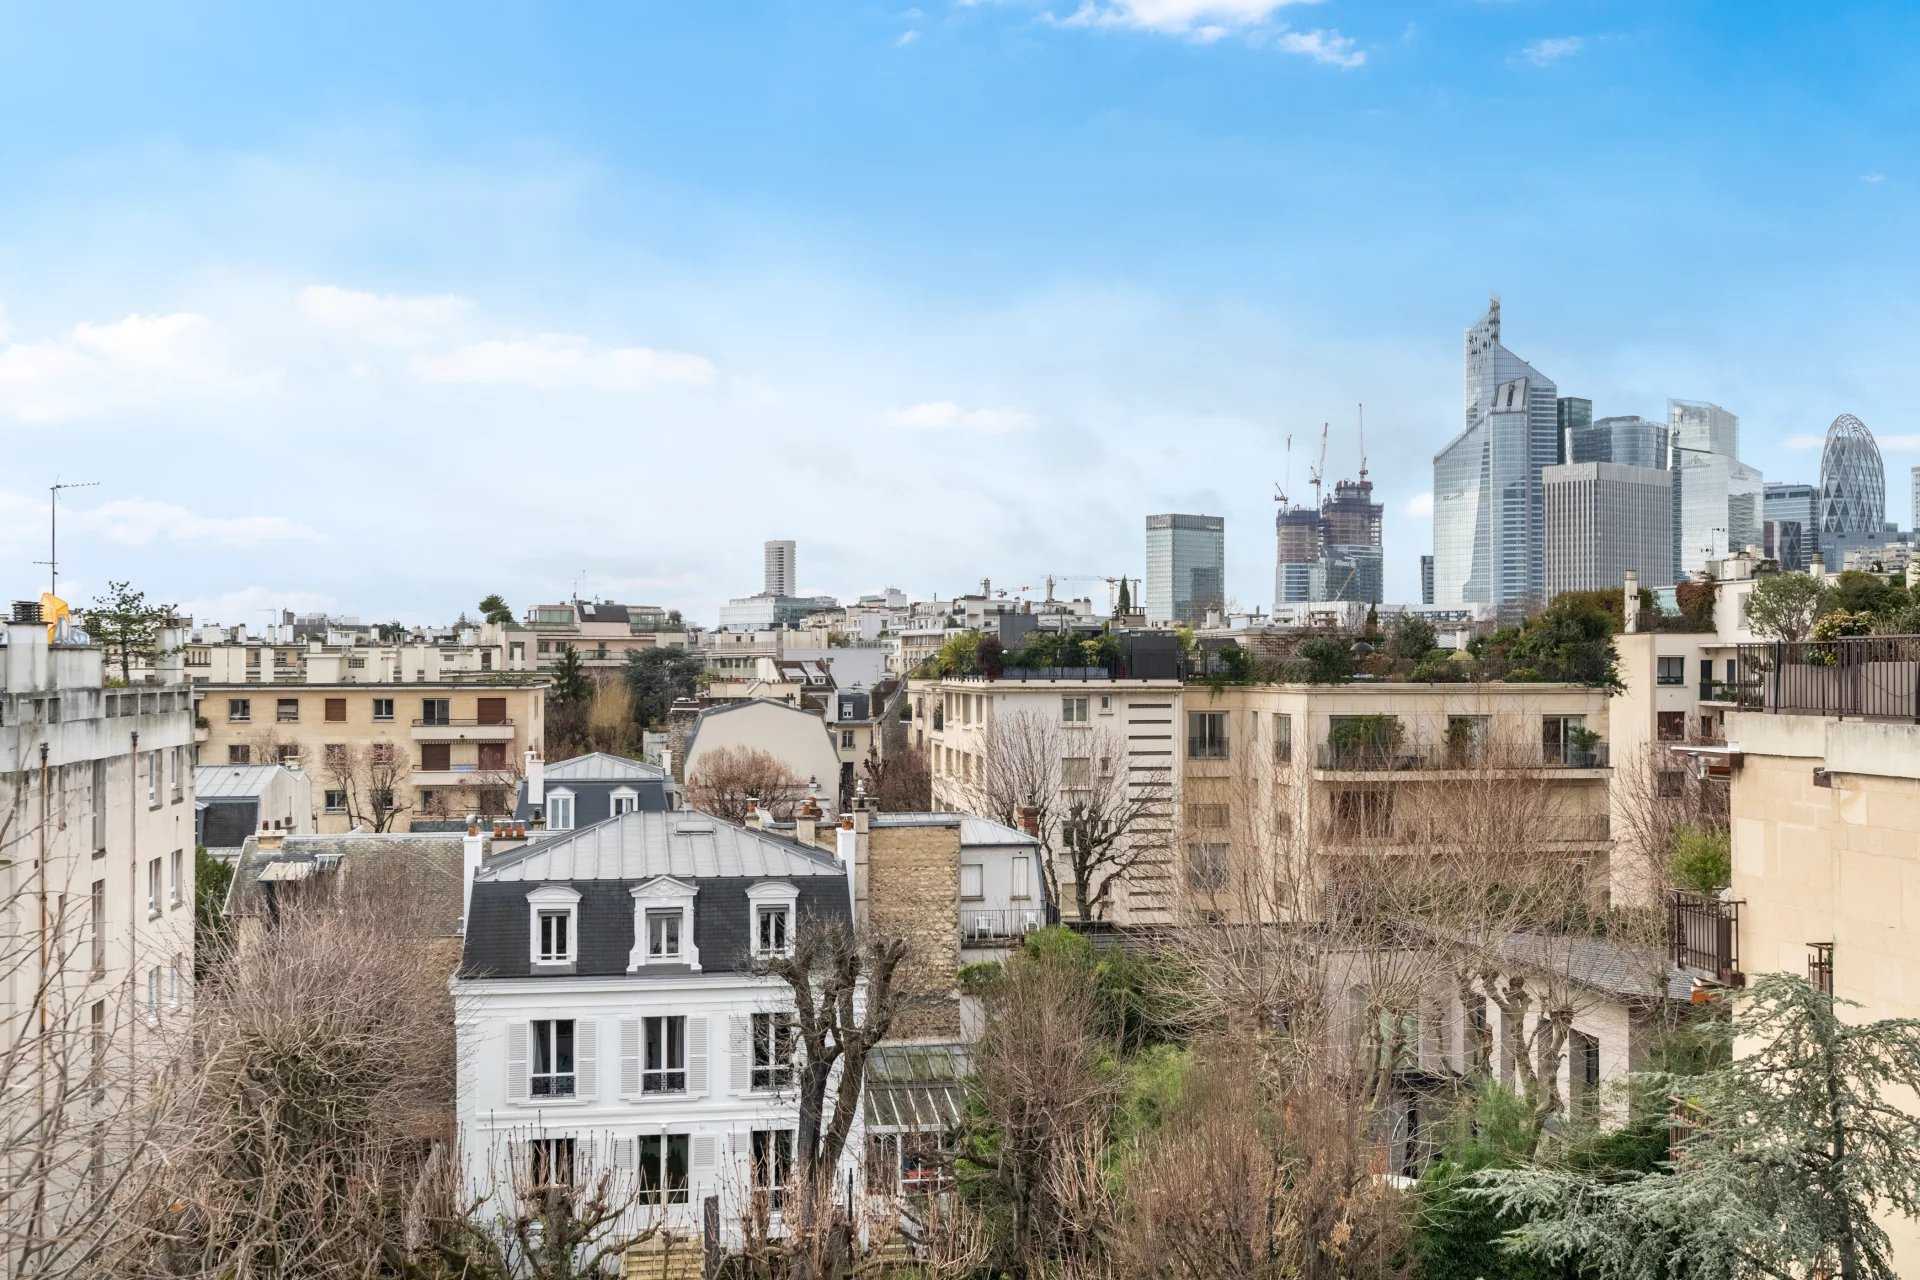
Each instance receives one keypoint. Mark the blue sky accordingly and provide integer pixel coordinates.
(381, 308)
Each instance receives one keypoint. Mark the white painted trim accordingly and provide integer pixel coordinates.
(772, 893)
(663, 893)
(553, 897)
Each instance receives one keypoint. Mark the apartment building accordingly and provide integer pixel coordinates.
(96, 907)
(382, 754)
(1823, 755)
(229, 655)
(604, 634)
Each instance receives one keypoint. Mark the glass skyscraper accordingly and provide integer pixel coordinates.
(1794, 504)
(1625, 441)
(1489, 521)
(1186, 567)
(1718, 506)
(1698, 424)
(1853, 492)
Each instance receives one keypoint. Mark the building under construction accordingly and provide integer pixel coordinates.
(1329, 551)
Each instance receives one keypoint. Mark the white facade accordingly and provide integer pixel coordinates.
(780, 567)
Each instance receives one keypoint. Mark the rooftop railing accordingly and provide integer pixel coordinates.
(1372, 758)
(1873, 677)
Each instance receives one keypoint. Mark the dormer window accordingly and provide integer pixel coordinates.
(663, 925)
(559, 810)
(625, 800)
(771, 906)
(556, 927)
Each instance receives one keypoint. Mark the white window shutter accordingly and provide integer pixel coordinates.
(697, 1057)
(740, 1053)
(629, 1057)
(626, 1153)
(703, 1144)
(516, 1062)
(586, 1058)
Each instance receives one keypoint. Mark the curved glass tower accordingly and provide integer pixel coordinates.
(1852, 507)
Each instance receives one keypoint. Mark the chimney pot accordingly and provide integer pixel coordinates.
(1030, 820)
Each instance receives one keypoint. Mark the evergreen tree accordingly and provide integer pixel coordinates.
(126, 626)
(494, 609)
(1125, 604)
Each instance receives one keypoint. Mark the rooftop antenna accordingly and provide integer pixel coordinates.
(53, 528)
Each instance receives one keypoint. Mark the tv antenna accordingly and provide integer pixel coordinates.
(53, 528)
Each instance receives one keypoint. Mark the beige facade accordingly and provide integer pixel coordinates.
(442, 748)
(96, 904)
(1826, 858)
(602, 633)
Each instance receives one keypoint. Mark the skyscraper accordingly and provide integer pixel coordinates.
(1853, 491)
(780, 568)
(1718, 503)
(1915, 526)
(1426, 574)
(1604, 519)
(1488, 517)
(1698, 424)
(1576, 414)
(1628, 441)
(1794, 504)
(1186, 567)
(1333, 553)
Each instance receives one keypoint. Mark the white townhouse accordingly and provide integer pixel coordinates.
(609, 1015)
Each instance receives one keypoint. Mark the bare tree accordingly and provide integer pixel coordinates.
(901, 781)
(374, 782)
(1656, 795)
(1096, 821)
(729, 782)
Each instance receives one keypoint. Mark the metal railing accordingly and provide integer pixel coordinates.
(1874, 677)
(1580, 829)
(1703, 935)
(1369, 758)
(999, 924)
(461, 724)
(1820, 967)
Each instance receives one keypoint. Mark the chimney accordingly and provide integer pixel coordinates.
(666, 762)
(270, 839)
(753, 814)
(1030, 820)
(536, 779)
(806, 822)
(1817, 566)
(846, 849)
(473, 851)
(1632, 602)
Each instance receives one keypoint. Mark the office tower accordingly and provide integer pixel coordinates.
(1853, 491)
(1576, 414)
(1707, 427)
(1426, 578)
(1488, 518)
(1718, 505)
(1299, 576)
(780, 568)
(1333, 553)
(1915, 526)
(1785, 541)
(1795, 504)
(1628, 441)
(1186, 567)
(1604, 520)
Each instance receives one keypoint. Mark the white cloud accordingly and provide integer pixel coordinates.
(945, 415)
(1899, 444)
(1871, 179)
(1329, 47)
(1546, 52)
(132, 362)
(905, 38)
(1419, 506)
(393, 320)
(1805, 442)
(563, 362)
(139, 522)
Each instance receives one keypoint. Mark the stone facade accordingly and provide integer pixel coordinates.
(913, 892)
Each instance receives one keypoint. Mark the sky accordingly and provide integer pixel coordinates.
(378, 309)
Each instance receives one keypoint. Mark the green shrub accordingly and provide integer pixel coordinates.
(1701, 859)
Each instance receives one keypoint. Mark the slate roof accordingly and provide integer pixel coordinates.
(639, 846)
(1604, 965)
(427, 867)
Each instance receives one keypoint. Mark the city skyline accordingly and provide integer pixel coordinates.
(646, 234)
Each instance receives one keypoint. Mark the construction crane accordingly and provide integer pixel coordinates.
(1280, 488)
(1361, 413)
(1319, 469)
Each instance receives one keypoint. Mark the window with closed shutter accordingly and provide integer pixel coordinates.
(492, 711)
(336, 710)
(435, 756)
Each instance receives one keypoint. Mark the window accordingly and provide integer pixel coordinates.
(972, 882)
(1670, 726)
(664, 1067)
(1073, 710)
(1209, 817)
(436, 756)
(175, 760)
(173, 982)
(560, 810)
(286, 710)
(335, 801)
(383, 708)
(1583, 1072)
(625, 801)
(770, 931)
(772, 1050)
(334, 755)
(1076, 772)
(1282, 738)
(153, 887)
(663, 935)
(1670, 670)
(1557, 738)
(174, 861)
(1207, 735)
(287, 753)
(1820, 967)
(336, 711)
(381, 753)
(846, 739)
(239, 710)
(99, 802)
(153, 777)
(1022, 879)
(1670, 784)
(1207, 866)
(550, 1162)
(98, 908)
(1364, 812)
(153, 993)
(555, 941)
(552, 1075)
(492, 756)
(772, 1164)
(97, 1058)
(436, 711)
(239, 753)
(490, 710)
(663, 1168)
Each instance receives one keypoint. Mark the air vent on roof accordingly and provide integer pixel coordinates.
(694, 828)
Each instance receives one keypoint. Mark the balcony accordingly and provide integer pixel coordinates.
(1872, 677)
(459, 775)
(462, 730)
(998, 926)
(1703, 936)
(1456, 759)
(1583, 829)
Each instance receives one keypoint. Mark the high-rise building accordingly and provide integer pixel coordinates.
(1797, 504)
(1186, 567)
(1785, 541)
(780, 568)
(1698, 424)
(1488, 516)
(1576, 414)
(1426, 579)
(1627, 441)
(1853, 491)
(1333, 553)
(1718, 504)
(1605, 520)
